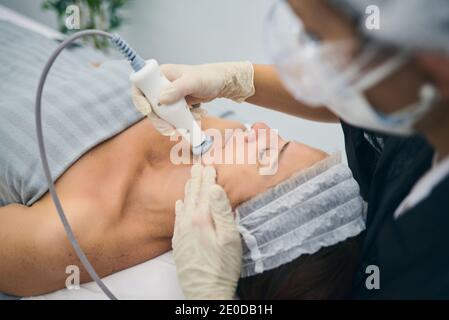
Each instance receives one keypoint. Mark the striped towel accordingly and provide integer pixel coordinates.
(82, 106)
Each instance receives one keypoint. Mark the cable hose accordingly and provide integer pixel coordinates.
(136, 62)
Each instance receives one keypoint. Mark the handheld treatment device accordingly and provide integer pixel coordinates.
(151, 82)
(148, 78)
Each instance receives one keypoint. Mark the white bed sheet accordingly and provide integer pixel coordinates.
(154, 279)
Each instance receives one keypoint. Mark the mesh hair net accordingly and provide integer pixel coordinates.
(316, 208)
(408, 24)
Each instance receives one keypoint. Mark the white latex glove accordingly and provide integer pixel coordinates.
(205, 82)
(143, 105)
(207, 248)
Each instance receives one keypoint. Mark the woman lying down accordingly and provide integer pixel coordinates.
(297, 226)
(118, 187)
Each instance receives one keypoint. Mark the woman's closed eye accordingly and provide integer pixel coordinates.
(263, 153)
(266, 153)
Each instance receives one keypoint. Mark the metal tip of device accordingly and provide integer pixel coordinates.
(204, 147)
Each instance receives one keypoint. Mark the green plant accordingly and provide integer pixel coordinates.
(94, 14)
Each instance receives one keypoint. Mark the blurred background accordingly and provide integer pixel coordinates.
(200, 31)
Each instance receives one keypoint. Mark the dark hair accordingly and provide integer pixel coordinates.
(326, 274)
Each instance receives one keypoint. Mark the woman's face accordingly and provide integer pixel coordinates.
(249, 161)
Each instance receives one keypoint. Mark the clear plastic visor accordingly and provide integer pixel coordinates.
(315, 71)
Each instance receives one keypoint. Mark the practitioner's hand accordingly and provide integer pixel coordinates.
(207, 248)
(203, 83)
(144, 106)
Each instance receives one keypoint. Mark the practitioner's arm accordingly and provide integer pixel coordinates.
(238, 81)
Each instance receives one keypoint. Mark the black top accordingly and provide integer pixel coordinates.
(412, 252)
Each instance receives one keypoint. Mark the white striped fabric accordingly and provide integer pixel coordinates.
(82, 106)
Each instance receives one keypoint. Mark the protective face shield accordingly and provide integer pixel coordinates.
(335, 74)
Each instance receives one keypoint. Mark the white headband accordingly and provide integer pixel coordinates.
(316, 208)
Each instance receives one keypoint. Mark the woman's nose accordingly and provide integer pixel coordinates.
(263, 131)
(253, 133)
(260, 129)
(260, 125)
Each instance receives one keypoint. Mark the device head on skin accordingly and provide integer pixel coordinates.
(150, 80)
